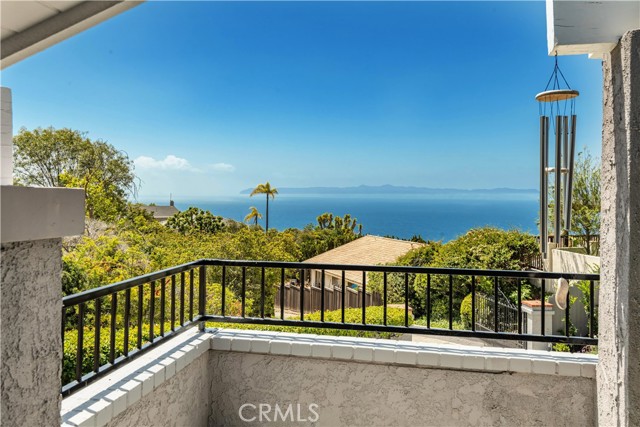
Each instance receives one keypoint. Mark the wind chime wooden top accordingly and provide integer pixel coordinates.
(557, 95)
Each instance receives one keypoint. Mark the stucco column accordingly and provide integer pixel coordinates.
(33, 221)
(31, 347)
(619, 313)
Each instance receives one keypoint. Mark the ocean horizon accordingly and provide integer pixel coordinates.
(434, 217)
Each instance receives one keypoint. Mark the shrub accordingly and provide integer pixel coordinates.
(439, 323)
(585, 288)
(374, 316)
(70, 347)
(561, 347)
(465, 311)
(232, 303)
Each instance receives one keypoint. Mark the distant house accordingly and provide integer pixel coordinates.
(367, 250)
(161, 213)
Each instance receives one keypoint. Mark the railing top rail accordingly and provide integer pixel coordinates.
(516, 274)
(91, 294)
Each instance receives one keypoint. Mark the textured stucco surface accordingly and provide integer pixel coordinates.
(180, 401)
(30, 346)
(350, 393)
(619, 316)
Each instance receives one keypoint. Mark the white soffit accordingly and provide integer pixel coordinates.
(577, 27)
(27, 27)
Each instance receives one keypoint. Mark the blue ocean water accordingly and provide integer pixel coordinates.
(434, 217)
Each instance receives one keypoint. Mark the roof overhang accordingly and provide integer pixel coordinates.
(577, 27)
(31, 26)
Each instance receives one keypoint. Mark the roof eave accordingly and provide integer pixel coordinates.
(59, 27)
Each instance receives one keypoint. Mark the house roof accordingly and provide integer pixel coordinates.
(367, 250)
(160, 212)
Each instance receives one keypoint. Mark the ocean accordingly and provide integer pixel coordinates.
(434, 217)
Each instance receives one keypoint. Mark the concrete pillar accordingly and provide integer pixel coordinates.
(533, 310)
(33, 221)
(619, 312)
(6, 137)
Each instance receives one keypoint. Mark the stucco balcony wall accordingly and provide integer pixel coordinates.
(205, 378)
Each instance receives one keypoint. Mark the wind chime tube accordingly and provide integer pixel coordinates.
(565, 170)
(558, 190)
(565, 151)
(546, 183)
(543, 185)
(569, 188)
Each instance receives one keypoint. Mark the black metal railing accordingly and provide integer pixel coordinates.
(591, 243)
(115, 323)
(535, 262)
(107, 326)
(500, 317)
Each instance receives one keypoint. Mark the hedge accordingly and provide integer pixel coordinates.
(374, 315)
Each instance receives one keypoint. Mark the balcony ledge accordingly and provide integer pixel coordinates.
(103, 400)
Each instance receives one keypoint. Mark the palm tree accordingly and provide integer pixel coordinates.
(254, 216)
(269, 191)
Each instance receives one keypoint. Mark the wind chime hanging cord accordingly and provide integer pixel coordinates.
(554, 82)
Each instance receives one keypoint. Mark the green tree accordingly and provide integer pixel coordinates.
(481, 248)
(253, 216)
(585, 210)
(195, 220)
(269, 191)
(585, 205)
(325, 220)
(330, 232)
(484, 248)
(419, 257)
(341, 230)
(67, 158)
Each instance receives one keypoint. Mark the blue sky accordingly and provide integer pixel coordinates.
(210, 98)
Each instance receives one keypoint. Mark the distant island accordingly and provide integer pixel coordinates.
(393, 189)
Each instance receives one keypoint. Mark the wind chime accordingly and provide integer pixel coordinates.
(557, 107)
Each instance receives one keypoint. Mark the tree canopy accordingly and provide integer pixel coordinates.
(330, 232)
(51, 157)
(585, 211)
(195, 220)
(484, 248)
(585, 204)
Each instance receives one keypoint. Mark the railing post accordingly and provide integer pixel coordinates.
(301, 294)
(202, 295)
